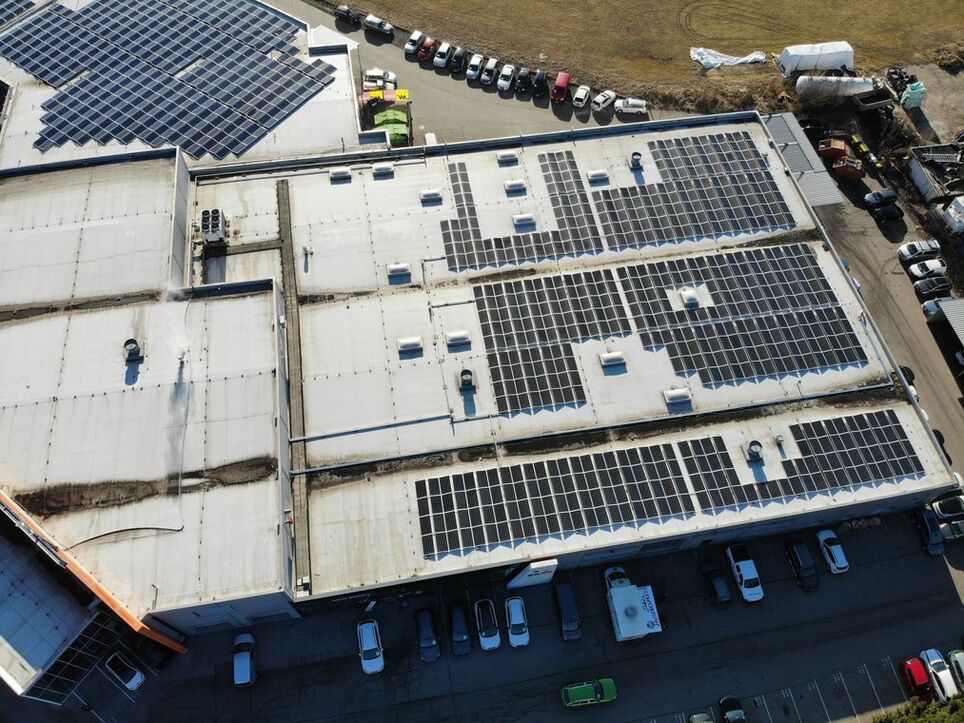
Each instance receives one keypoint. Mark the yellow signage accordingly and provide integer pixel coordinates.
(401, 94)
(376, 94)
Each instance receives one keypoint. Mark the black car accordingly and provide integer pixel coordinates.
(883, 197)
(428, 648)
(731, 710)
(801, 562)
(930, 532)
(458, 61)
(889, 212)
(934, 286)
(718, 585)
(343, 12)
(461, 637)
(523, 81)
(540, 86)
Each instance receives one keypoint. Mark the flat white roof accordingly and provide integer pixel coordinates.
(181, 447)
(373, 530)
(38, 617)
(86, 232)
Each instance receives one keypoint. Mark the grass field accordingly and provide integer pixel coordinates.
(642, 46)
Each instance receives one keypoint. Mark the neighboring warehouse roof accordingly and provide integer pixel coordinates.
(159, 474)
(384, 527)
(86, 233)
(39, 617)
(943, 166)
(954, 312)
(808, 170)
(85, 83)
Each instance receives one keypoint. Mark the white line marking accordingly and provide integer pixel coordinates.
(839, 676)
(797, 710)
(900, 683)
(117, 685)
(873, 687)
(89, 709)
(766, 708)
(825, 711)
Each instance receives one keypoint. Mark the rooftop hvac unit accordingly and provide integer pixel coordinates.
(399, 269)
(133, 352)
(514, 185)
(677, 395)
(597, 176)
(753, 451)
(691, 300)
(523, 219)
(457, 338)
(383, 169)
(213, 226)
(466, 379)
(612, 359)
(507, 158)
(409, 343)
(430, 194)
(340, 173)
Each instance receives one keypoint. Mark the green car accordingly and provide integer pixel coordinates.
(589, 693)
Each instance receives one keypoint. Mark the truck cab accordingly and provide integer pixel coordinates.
(744, 573)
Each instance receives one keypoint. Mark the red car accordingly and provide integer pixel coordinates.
(427, 51)
(917, 681)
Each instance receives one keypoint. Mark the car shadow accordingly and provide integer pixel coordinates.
(583, 115)
(541, 101)
(603, 117)
(378, 39)
(346, 28)
(562, 111)
(894, 231)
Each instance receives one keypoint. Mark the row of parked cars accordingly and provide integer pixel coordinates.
(930, 676)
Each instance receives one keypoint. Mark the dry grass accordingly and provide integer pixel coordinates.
(641, 47)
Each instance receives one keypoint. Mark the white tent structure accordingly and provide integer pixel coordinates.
(819, 56)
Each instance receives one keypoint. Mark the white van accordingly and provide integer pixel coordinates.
(631, 106)
(245, 670)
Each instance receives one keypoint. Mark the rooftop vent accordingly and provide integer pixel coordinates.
(690, 298)
(430, 194)
(398, 270)
(409, 344)
(466, 379)
(514, 185)
(340, 173)
(612, 359)
(383, 169)
(507, 158)
(598, 176)
(458, 338)
(753, 451)
(636, 161)
(677, 395)
(132, 352)
(523, 219)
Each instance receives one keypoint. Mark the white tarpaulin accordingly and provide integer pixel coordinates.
(819, 56)
(710, 59)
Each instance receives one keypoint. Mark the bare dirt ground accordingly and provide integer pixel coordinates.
(641, 47)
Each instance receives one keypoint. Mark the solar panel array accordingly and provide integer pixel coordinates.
(771, 313)
(529, 327)
(189, 73)
(9, 9)
(835, 453)
(558, 498)
(570, 202)
(718, 154)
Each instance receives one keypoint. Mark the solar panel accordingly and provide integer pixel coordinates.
(560, 497)
(836, 453)
(702, 156)
(764, 313)
(192, 74)
(9, 9)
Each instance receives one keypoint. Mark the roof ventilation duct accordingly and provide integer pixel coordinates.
(132, 352)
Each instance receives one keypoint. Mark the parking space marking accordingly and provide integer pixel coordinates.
(838, 676)
(787, 693)
(816, 687)
(89, 709)
(766, 708)
(888, 661)
(863, 669)
(117, 685)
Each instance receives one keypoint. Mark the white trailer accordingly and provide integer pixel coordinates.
(818, 56)
(633, 608)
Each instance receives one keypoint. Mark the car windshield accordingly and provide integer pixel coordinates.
(370, 654)
(938, 666)
(120, 668)
(517, 628)
(597, 688)
(752, 582)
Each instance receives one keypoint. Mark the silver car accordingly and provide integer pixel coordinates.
(487, 624)
(475, 67)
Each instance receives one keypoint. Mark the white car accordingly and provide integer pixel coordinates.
(581, 96)
(414, 42)
(951, 531)
(487, 624)
(603, 100)
(927, 269)
(833, 552)
(919, 250)
(375, 75)
(474, 67)
(944, 686)
(243, 658)
(442, 55)
(744, 573)
(124, 671)
(506, 76)
(370, 647)
(516, 622)
(631, 106)
(488, 72)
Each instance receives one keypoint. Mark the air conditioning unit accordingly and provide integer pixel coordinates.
(523, 219)
(398, 270)
(458, 338)
(214, 226)
(507, 158)
(689, 297)
(598, 176)
(340, 173)
(515, 185)
(383, 169)
(612, 359)
(430, 195)
(409, 344)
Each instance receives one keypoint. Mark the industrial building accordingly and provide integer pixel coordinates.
(249, 366)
